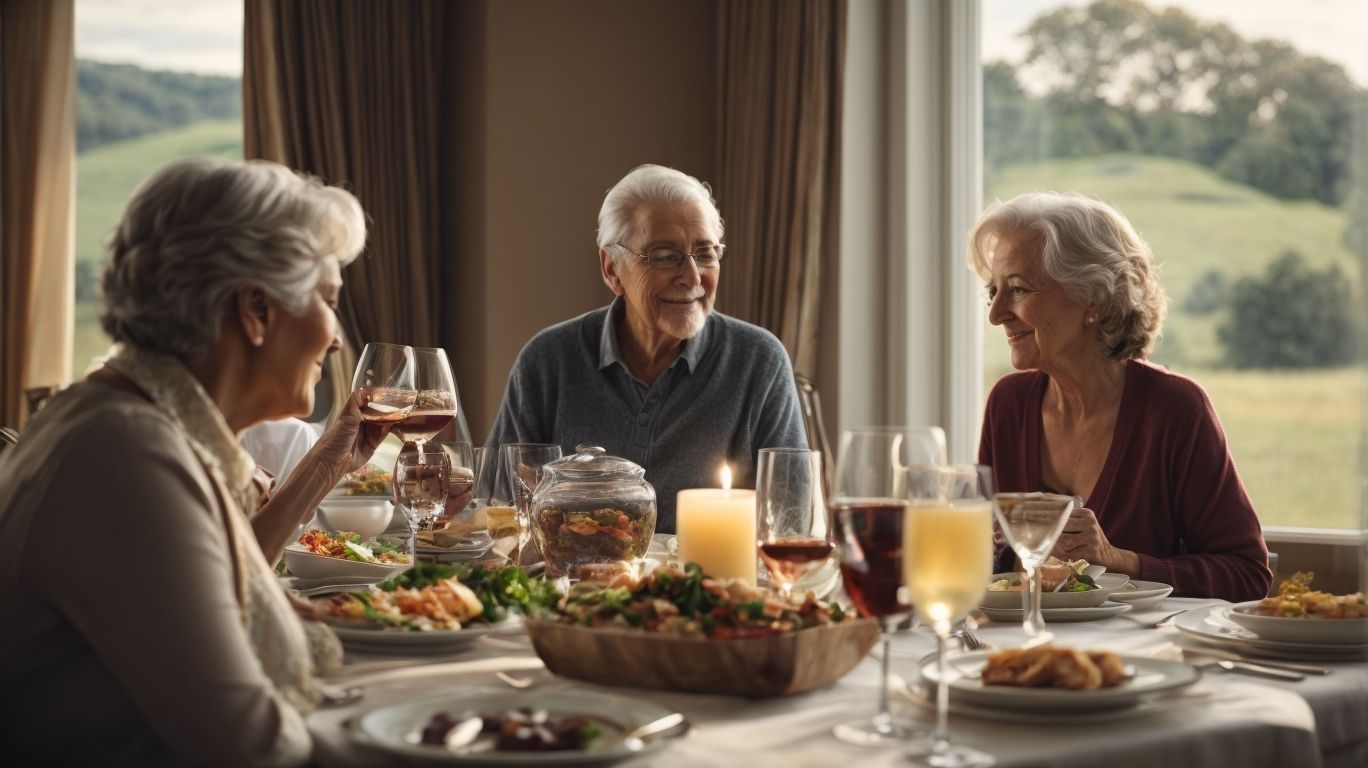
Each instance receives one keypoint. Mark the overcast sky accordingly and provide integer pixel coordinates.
(1334, 29)
(206, 35)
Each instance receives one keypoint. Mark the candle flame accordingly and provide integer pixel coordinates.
(726, 477)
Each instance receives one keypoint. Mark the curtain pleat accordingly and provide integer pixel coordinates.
(780, 64)
(37, 198)
(349, 90)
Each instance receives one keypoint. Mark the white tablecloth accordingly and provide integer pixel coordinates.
(1225, 720)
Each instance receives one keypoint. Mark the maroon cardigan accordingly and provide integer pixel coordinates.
(1168, 490)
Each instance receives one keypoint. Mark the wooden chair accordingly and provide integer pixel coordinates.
(811, 404)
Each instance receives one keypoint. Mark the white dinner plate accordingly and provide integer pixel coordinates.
(307, 565)
(925, 698)
(1151, 678)
(1011, 599)
(1142, 595)
(396, 728)
(1302, 629)
(374, 638)
(1059, 615)
(1211, 624)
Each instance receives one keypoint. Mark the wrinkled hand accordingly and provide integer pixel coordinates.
(1083, 539)
(349, 443)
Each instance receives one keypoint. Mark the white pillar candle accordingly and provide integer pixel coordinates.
(716, 529)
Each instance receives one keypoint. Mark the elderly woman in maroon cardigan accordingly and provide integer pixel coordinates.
(1076, 291)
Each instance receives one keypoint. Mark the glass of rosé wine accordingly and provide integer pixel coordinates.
(792, 525)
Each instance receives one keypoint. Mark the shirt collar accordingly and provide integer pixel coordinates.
(609, 353)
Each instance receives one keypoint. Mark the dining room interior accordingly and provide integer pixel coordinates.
(854, 151)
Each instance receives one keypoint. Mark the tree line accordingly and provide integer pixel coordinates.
(117, 102)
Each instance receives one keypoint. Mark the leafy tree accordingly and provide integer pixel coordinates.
(1290, 317)
(115, 102)
(1208, 294)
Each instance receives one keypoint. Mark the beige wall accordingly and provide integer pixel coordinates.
(558, 100)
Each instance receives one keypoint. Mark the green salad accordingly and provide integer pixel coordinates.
(501, 590)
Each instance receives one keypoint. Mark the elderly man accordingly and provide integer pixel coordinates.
(657, 376)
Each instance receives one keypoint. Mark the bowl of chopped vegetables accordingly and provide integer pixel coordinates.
(683, 631)
(323, 555)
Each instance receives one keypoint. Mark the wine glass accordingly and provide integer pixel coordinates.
(791, 515)
(461, 480)
(1031, 522)
(869, 498)
(947, 559)
(384, 380)
(435, 399)
(422, 483)
(519, 472)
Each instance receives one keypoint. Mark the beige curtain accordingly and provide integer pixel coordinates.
(349, 90)
(779, 70)
(37, 210)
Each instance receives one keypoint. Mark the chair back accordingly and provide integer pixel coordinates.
(811, 404)
(8, 437)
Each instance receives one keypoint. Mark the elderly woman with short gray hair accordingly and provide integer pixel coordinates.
(142, 540)
(1077, 292)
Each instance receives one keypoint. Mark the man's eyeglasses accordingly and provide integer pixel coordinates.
(705, 256)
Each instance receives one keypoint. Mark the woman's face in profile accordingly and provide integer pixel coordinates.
(1044, 326)
(298, 345)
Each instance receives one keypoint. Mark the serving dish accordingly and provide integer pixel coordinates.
(1011, 599)
(755, 667)
(1298, 629)
(366, 516)
(307, 565)
(1212, 626)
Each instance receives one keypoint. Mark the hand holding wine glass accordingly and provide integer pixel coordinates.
(792, 525)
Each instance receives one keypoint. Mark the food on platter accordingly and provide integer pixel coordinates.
(688, 603)
(442, 597)
(518, 730)
(1053, 573)
(1296, 599)
(452, 532)
(346, 545)
(1054, 667)
(369, 480)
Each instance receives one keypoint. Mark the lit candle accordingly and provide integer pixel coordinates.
(716, 529)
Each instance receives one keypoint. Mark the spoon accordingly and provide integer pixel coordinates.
(634, 741)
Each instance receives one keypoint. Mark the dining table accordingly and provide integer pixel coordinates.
(1224, 719)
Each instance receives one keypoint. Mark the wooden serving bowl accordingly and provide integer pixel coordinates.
(755, 667)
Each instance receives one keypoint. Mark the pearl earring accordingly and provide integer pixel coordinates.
(1091, 320)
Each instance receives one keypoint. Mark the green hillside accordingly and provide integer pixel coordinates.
(1195, 221)
(106, 176)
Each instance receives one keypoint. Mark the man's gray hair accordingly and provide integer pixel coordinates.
(645, 184)
(1093, 252)
(201, 229)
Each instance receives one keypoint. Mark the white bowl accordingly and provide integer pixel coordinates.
(1299, 629)
(1012, 599)
(307, 565)
(367, 517)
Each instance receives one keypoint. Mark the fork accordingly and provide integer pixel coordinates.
(1154, 624)
(971, 641)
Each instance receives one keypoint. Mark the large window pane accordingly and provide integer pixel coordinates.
(156, 80)
(1226, 133)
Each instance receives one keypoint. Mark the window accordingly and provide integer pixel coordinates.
(1226, 132)
(156, 80)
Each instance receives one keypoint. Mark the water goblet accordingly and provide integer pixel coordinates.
(947, 559)
(519, 472)
(1031, 523)
(791, 516)
(422, 483)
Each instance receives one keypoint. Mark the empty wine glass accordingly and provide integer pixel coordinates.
(422, 483)
(461, 482)
(947, 559)
(791, 515)
(869, 499)
(1031, 522)
(519, 472)
(384, 381)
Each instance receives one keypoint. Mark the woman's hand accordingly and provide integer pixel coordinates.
(349, 443)
(1083, 539)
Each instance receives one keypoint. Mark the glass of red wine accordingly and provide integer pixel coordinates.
(792, 526)
(868, 501)
(384, 383)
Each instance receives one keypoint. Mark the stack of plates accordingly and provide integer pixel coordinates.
(1237, 628)
(1142, 595)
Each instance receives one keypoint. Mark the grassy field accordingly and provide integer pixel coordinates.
(106, 178)
(1296, 437)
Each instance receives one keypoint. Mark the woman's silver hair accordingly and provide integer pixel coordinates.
(1093, 252)
(646, 184)
(200, 229)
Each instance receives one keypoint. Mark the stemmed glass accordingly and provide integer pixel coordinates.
(384, 380)
(792, 526)
(435, 400)
(1031, 522)
(868, 501)
(462, 476)
(519, 472)
(422, 482)
(947, 558)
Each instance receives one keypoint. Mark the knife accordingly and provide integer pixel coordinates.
(1305, 669)
(1259, 671)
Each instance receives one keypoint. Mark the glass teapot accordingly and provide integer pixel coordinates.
(592, 511)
